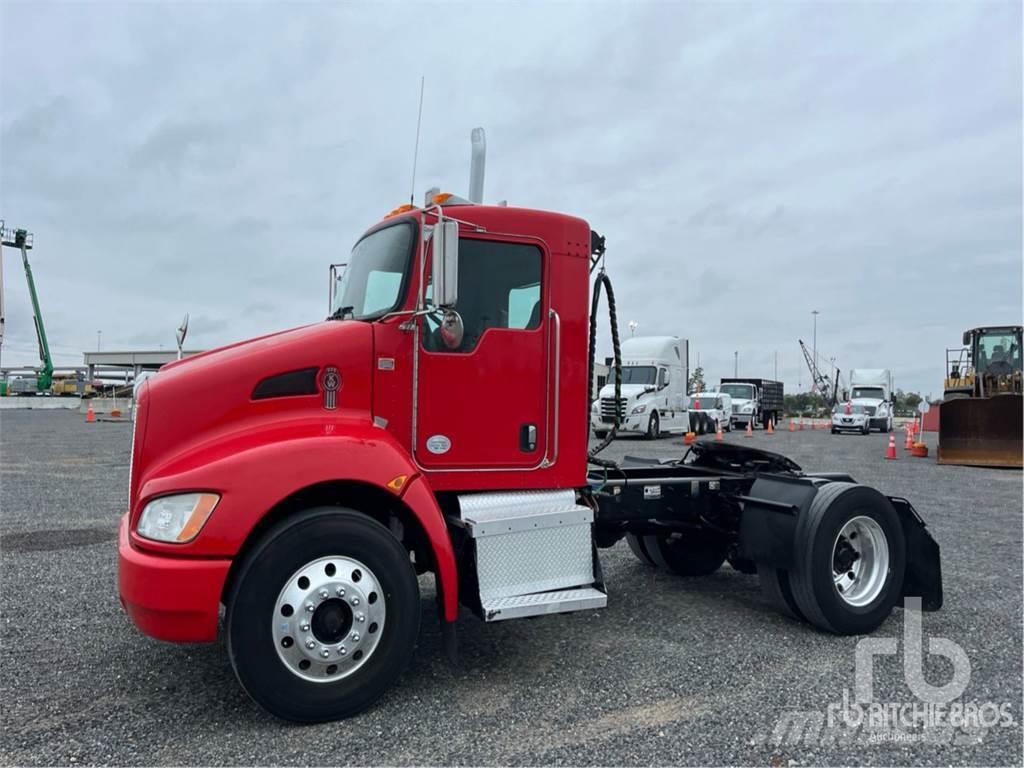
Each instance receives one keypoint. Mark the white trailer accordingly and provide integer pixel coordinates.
(871, 390)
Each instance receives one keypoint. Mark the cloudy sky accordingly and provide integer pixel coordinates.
(748, 163)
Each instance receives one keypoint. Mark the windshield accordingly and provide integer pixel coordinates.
(999, 349)
(742, 391)
(639, 374)
(872, 393)
(371, 284)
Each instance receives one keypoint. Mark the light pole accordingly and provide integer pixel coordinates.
(99, 336)
(736, 364)
(815, 347)
(633, 325)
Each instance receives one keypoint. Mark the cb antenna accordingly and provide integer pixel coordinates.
(416, 148)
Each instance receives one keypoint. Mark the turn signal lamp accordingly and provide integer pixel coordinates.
(176, 519)
(441, 198)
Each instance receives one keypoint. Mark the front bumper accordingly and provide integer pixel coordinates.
(633, 424)
(848, 422)
(170, 598)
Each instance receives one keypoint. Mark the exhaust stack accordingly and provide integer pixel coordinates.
(476, 165)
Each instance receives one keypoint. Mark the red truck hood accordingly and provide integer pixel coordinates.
(201, 398)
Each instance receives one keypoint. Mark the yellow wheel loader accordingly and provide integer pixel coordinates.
(981, 422)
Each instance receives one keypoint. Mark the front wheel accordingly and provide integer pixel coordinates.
(323, 615)
(654, 427)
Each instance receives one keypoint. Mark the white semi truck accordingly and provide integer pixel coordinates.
(652, 396)
(871, 391)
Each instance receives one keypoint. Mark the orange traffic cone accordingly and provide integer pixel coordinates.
(771, 427)
(792, 426)
(718, 431)
(909, 442)
(689, 437)
(750, 429)
(90, 415)
(801, 423)
(890, 452)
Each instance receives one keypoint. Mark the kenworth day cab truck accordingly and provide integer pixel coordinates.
(754, 401)
(871, 392)
(437, 422)
(652, 392)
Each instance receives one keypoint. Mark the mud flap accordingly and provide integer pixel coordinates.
(923, 576)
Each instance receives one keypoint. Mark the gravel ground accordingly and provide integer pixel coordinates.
(672, 672)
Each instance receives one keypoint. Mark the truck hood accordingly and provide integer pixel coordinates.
(874, 402)
(628, 391)
(204, 397)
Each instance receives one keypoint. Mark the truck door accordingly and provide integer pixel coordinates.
(484, 405)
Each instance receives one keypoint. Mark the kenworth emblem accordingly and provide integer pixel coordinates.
(330, 380)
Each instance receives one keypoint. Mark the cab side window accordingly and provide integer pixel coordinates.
(499, 287)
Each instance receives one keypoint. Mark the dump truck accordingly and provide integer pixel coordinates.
(981, 416)
(754, 401)
(437, 422)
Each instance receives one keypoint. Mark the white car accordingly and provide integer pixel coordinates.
(851, 417)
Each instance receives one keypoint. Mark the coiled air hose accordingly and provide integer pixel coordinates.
(603, 280)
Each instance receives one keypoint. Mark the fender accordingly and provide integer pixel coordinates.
(253, 470)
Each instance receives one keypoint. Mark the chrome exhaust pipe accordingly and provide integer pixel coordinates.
(476, 165)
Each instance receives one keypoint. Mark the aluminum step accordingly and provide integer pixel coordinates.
(562, 601)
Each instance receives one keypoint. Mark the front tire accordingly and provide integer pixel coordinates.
(654, 427)
(326, 581)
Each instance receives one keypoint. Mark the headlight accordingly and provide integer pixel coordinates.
(639, 409)
(748, 408)
(595, 407)
(176, 519)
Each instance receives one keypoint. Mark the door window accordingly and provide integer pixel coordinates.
(499, 287)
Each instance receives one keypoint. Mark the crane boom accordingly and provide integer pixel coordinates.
(821, 384)
(22, 240)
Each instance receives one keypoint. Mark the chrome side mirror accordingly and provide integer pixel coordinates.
(452, 329)
(446, 263)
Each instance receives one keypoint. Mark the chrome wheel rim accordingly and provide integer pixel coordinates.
(860, 561)
(328, 619)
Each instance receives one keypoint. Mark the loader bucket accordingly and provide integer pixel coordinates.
(982, 431)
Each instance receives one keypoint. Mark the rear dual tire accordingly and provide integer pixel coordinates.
(849, 562)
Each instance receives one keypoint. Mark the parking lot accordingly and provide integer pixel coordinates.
(674, 671)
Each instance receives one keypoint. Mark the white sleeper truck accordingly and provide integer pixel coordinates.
(871, 390)
(652, 397)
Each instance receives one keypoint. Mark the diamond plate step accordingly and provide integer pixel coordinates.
(563, 601)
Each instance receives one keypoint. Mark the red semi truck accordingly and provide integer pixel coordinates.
(437, 422)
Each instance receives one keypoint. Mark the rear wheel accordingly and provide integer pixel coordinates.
(850, 559)
(693, 553)
(636, 544)
(323, 615)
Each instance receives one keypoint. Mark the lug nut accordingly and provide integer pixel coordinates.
(360, 617)
(325, 653)
(342, 651)
(355, 637)
(304, 626)
(340, 591)
(310, 607)
(324, 594)
(310, 644)
(355, 601)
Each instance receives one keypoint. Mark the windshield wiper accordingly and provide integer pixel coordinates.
(340, 312)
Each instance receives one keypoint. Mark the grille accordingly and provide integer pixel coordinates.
(608, 410)
(869, 410)
(735, 408)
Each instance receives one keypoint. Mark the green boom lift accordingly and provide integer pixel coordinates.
(22, 240)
